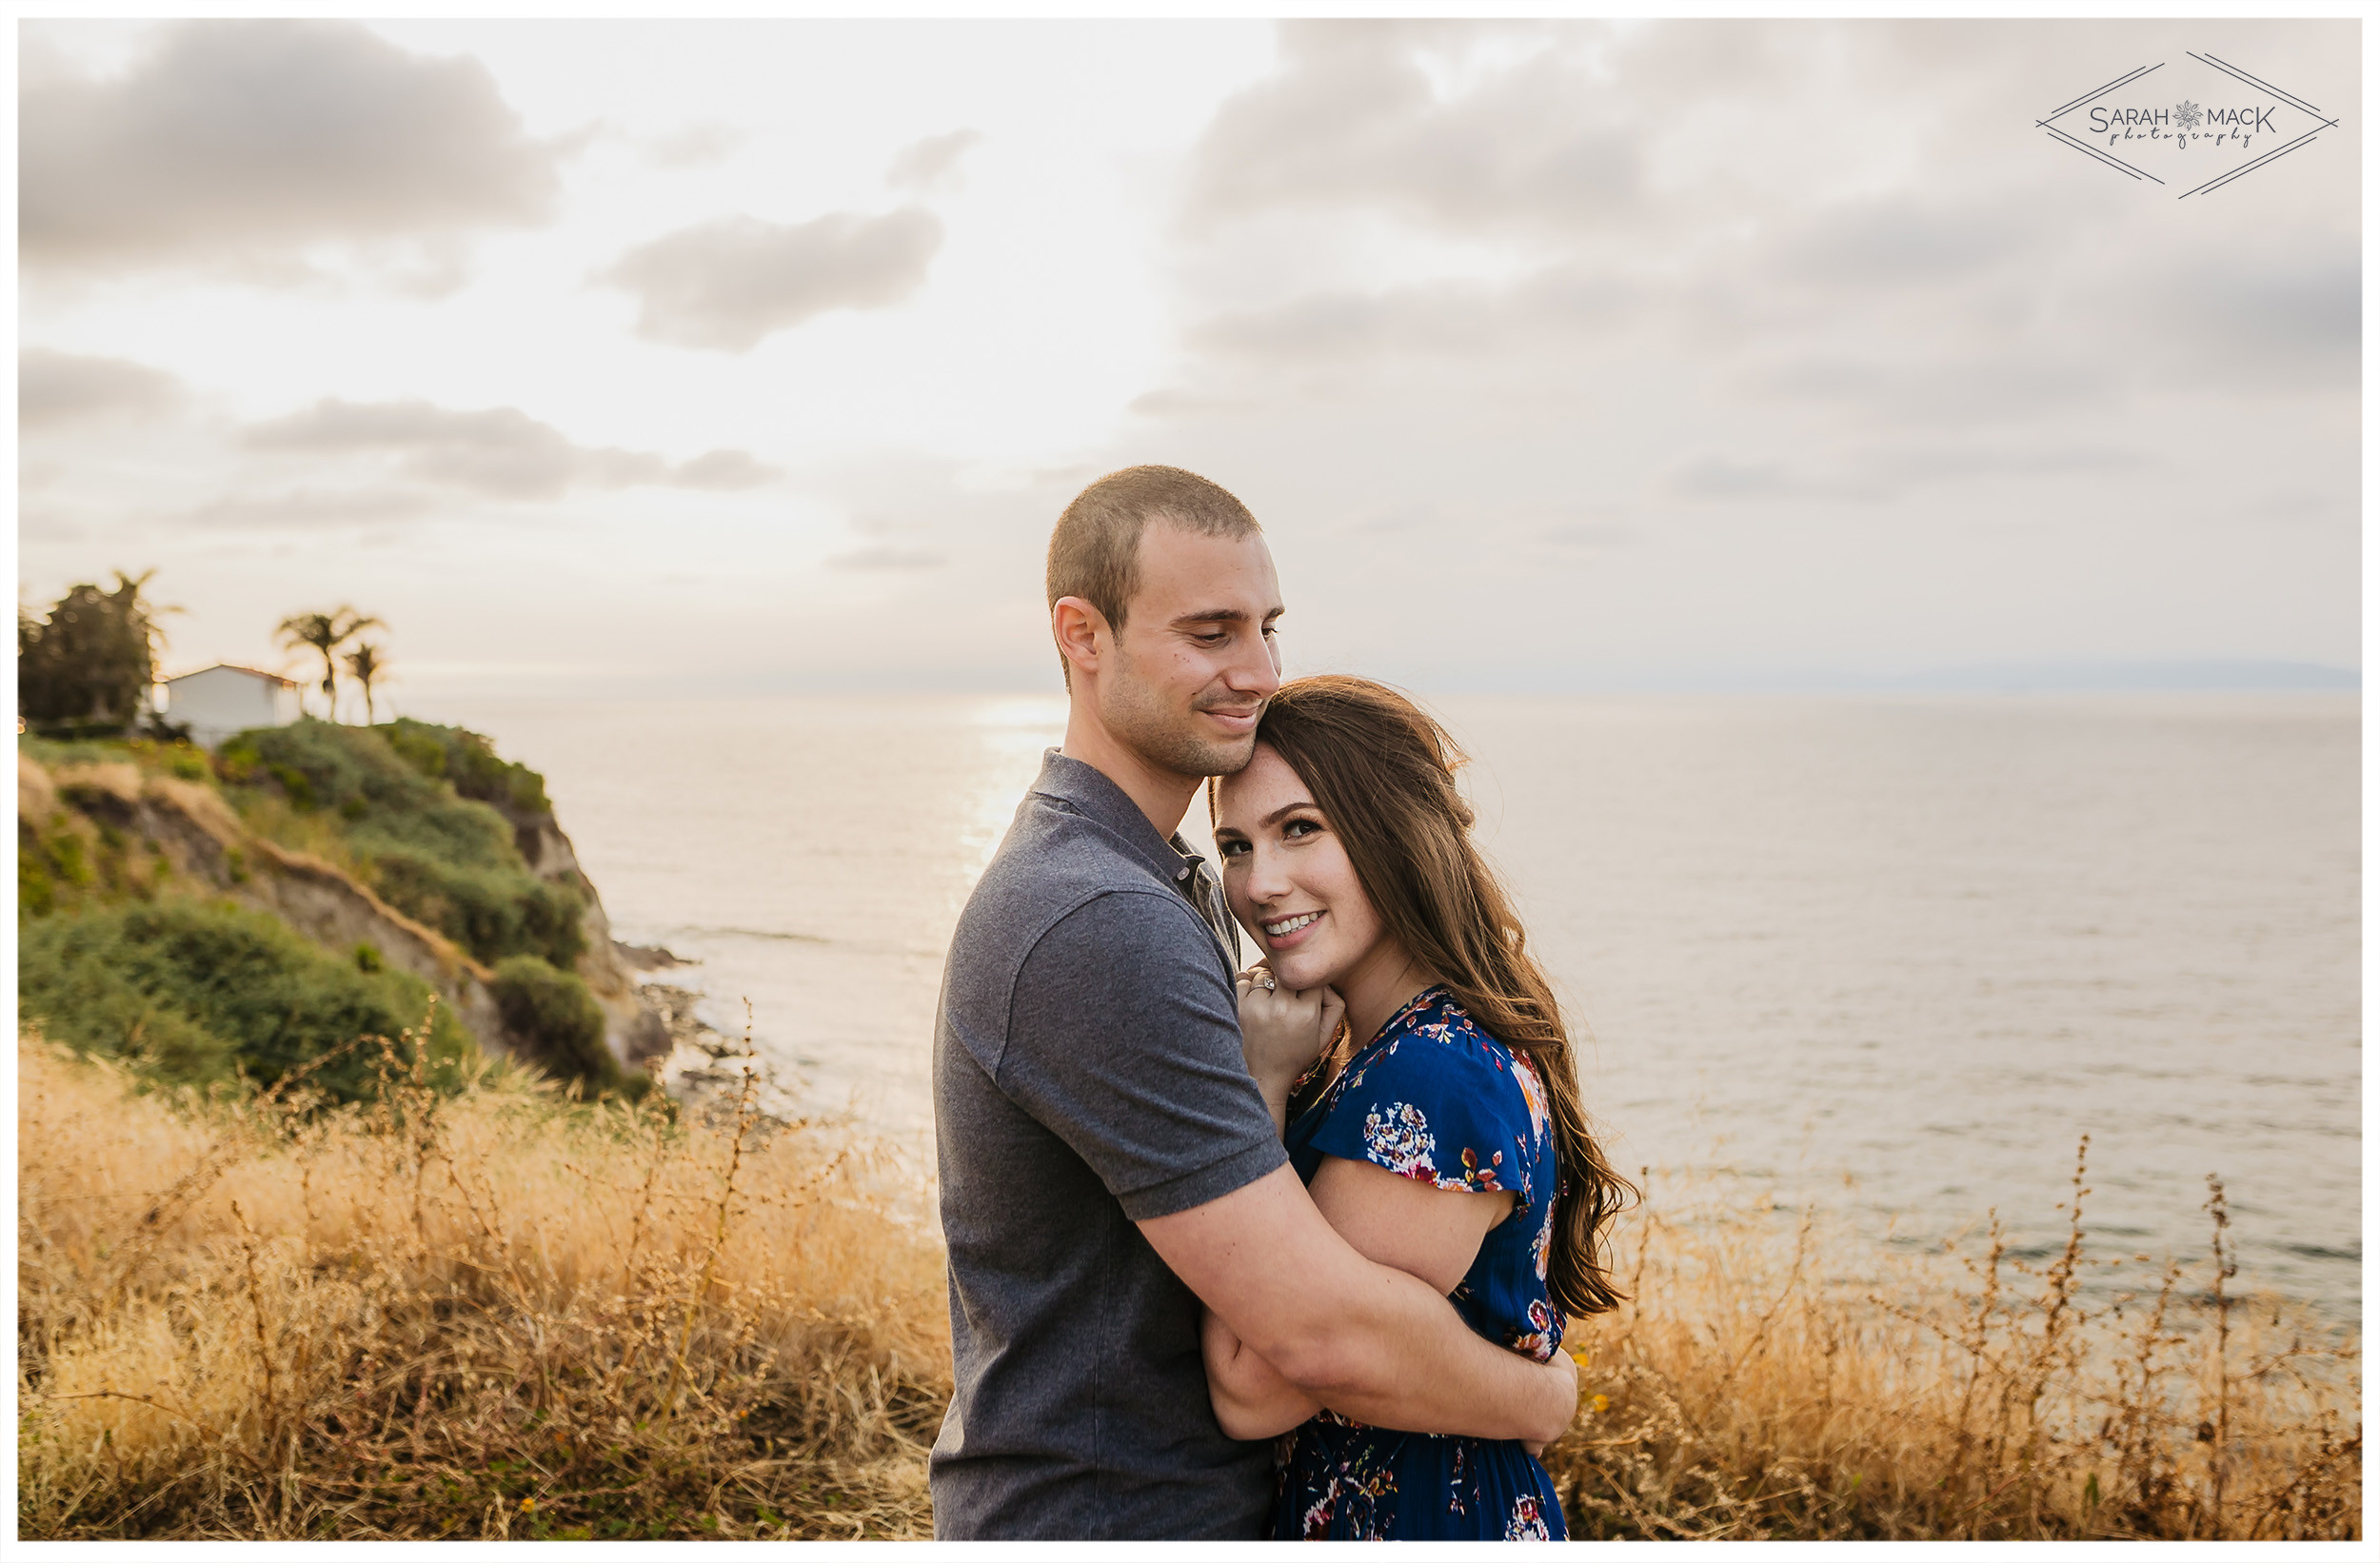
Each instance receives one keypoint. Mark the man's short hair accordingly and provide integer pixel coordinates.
(1094, 550)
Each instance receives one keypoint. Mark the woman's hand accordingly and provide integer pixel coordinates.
(1565, 1369)
(1282, 1033)
(1250, 1400)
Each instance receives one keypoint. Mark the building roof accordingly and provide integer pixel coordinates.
(234, 667)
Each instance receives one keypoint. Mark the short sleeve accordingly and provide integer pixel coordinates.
(1445, 1110)
(1123, 1040)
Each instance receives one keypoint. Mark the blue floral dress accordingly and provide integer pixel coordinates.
(1434, 1098)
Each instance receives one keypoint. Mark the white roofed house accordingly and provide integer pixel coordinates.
(216, 702)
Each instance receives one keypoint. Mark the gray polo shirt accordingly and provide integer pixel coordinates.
(1087, 1075)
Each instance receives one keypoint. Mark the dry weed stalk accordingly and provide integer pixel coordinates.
(1945, 1410)
(430, 1316)
(510, 1313)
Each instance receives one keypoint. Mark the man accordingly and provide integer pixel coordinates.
(1106, 1162)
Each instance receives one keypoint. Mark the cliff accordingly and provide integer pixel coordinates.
(411, 847)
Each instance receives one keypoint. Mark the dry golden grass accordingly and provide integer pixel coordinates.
(507, 1315)
(1970, 1397)
(500, 1313)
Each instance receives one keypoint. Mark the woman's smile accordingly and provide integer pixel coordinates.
(1288, 931)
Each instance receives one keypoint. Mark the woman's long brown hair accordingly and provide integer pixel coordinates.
(1382, 772)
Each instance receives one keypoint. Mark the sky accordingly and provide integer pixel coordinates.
(742, 357)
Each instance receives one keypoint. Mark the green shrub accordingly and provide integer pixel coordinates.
(70, 859)
(237, 759)
(411, 801)
(492, 913)
(323, 764)
(470, 762)
(36, 888)
(414, 744)
(558, 1023)
(196, 993)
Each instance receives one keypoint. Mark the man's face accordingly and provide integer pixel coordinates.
(1197, 658)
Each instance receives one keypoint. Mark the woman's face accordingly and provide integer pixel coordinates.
(1288, 878)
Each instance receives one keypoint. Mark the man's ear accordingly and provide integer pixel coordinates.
(1080, 631)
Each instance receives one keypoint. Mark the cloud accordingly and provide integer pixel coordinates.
(248, 142)
(1900, 243)
(1953, 384)
(308, 509)
(923, 167)
(2283, 323)
(723, 472)
(725, 284)
(1358, 117)
(1719, 477)
(886, 556)
(55, 388)
(500, 452)
(692, 145)
(1590, 534)
(1459, 318)
(1888, 471)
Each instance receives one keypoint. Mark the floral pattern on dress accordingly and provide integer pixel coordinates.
(1398, 1138)
(1434, 1098)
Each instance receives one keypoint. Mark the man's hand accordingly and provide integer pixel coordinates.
(1369, 1341)
(1282, 1033)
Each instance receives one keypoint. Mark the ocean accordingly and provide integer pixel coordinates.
(1892, 956)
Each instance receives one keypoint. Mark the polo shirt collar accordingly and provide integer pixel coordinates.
(1090, 792)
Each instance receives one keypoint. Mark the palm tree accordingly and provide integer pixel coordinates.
(326, 633)
(363, 665)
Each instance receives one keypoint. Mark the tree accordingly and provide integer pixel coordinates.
(363, 665)
(92, 661)
(326, 633)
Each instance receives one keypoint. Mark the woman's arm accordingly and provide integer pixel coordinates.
(1391, 1219)
(1415, 1227)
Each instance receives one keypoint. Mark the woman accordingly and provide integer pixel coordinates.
(1439, 1132)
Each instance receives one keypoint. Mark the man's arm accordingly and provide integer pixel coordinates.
(1369, 1341)
(1397, 1221)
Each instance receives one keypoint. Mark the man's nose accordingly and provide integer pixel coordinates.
(1257, 669)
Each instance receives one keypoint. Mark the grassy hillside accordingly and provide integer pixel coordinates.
(201, 993)
(120, 956)
(495, 1313)
(424, 815)
(504, 1314)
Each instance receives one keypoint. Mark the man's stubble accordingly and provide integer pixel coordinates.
(1137, 716)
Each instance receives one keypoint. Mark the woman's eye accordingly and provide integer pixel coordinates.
(1230, 849)
(1299, 827)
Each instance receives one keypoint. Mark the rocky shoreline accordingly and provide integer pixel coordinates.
(699, 1066)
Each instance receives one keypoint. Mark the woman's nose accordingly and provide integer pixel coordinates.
(1265, 880)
